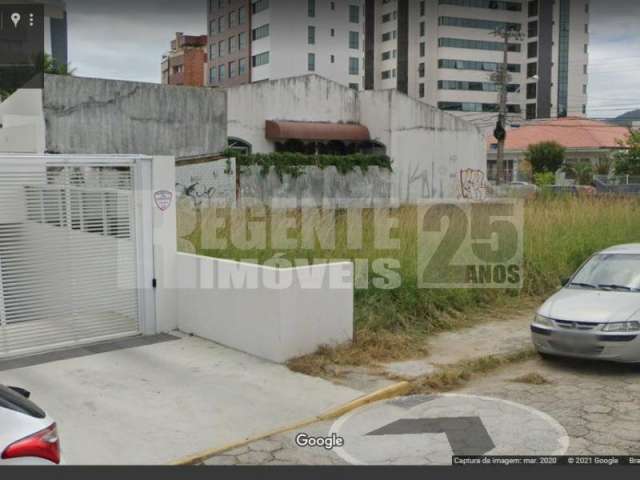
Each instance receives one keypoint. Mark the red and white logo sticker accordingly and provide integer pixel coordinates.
(163, 199)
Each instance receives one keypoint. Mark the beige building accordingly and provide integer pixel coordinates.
(444, 52)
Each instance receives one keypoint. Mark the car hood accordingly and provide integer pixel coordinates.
(580, 305)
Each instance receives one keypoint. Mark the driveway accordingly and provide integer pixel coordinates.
(156, 403)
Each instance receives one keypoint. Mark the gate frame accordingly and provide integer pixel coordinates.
(142, 168)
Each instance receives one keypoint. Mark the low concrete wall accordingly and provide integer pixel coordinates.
(275, 314)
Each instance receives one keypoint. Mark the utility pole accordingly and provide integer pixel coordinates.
(502, 78)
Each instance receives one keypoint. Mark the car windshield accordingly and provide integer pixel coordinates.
(610, 272)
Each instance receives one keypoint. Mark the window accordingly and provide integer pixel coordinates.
(242, 66)
(242, 40)
(220, 24)
(260, 32)
(477, 23)
(354, 66)
(386, 37)
(421, 70)
(491, 4)
(584, 109)
(421, 90)
(386, 55)
(532, 49)
(332, 58)
(311, 62)
(586, 48)
(423, 48)
(242, 16)
(354, 86)
(386, 74)
(474, 86)
(533, 8)
(532, 30)
(259, 6)
(311, 35)
(532, 91)
(475, 65)
(232, 45)
(232, 69)
(212, 27)
(354, 14)
(422, 8)
(311, 8)
(585, 69)
(476, 107)
(213, 74)
(386, 18)
(333, 32)
(233, 16)
(260, 59)
(531, 111)
(422, 29)
(584, 89)
(532, 70)
(354, 40)
(333, 5)
(221, 72)
(212, 51)
(221, 49)
(477, 44)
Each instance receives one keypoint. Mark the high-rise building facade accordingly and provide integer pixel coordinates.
(442, 52)
(252, 41)
(445, 51)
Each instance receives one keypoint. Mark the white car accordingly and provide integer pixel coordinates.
(597, 312)
(27, 435)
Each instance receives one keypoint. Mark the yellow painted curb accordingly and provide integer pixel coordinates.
(391, 391)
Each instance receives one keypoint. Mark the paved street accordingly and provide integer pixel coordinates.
(598, 405)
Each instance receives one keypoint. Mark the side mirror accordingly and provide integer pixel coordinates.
(21, 391)
(565, 281)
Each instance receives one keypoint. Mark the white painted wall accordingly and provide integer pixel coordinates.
(275, 314)
(22, 121)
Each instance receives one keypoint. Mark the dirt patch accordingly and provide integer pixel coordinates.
(455, 376)
(369, 349)
(531, 379)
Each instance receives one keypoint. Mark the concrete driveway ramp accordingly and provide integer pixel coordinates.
(157, 403)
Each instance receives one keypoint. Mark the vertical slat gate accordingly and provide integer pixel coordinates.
(68, 259)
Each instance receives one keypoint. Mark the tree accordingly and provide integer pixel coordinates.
(545, 157)
(581, 171)
(627, 162)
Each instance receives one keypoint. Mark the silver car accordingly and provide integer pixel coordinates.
(597, 312)
(27, 435)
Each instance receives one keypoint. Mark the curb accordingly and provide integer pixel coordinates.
(391, 391)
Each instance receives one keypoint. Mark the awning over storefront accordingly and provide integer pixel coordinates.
(316, 131)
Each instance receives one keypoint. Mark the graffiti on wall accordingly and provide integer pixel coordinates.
(472, 184)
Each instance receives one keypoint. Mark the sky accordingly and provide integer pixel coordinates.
(125, 39)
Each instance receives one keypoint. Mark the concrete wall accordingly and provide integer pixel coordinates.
(107, 116)
(276, 314)
(429, 148)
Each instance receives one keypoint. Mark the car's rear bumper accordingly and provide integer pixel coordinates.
(621, 347)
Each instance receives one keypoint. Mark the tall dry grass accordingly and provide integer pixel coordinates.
(559, 234)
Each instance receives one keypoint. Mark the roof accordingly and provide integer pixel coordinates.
(318, 131)
(570, 132)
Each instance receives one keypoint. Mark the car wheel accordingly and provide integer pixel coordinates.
(546, 356)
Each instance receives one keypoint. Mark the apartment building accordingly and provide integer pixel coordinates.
(444, 52)
(186, 61)
(252, 41)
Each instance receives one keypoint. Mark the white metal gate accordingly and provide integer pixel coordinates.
(68, 253)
